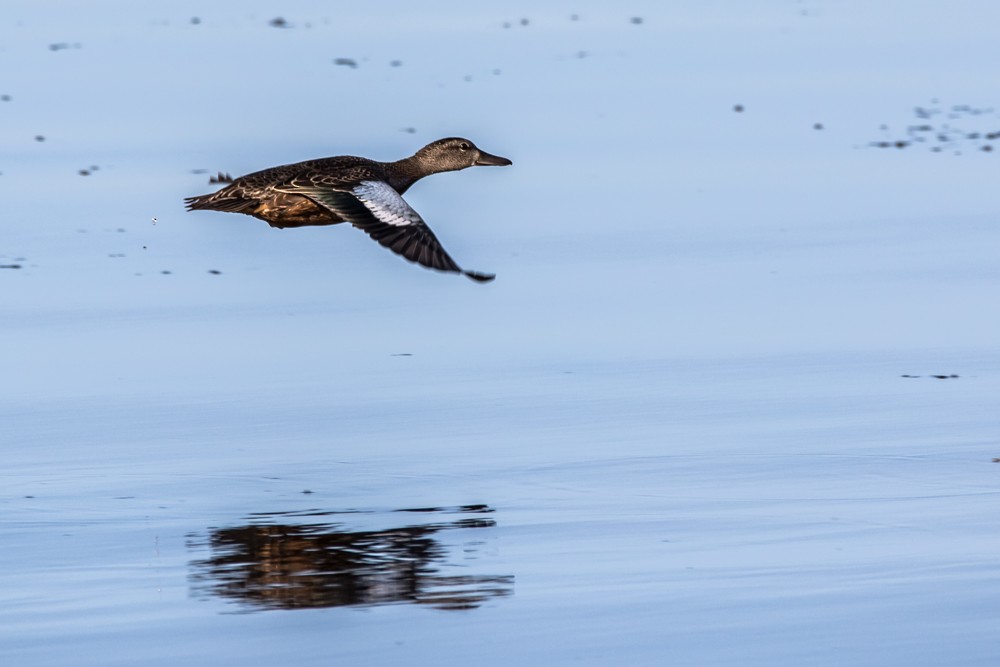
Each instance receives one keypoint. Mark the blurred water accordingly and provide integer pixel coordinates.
(676, 427)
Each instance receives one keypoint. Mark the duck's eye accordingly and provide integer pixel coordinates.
(463, 146)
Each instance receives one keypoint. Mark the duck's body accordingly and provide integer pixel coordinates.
(366, 193)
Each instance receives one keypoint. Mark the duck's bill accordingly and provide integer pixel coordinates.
(487, 160)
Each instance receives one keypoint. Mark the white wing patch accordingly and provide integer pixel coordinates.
(385, 203)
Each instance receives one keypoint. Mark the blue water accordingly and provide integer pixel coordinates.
(695, 420)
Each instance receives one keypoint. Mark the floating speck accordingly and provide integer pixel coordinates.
(4, 98)
(39, 137)
(636, 20)
(525, 22)
(738, 108)
(215, 272)
(84, 172)
(278, 22)
(306, 491)
(410, 130)
(935, 124)
(165, 272)
(346, 62)
(817, 126)
(396, 63)
(10, 266)
(506, 24)
(195, 20)
(574, 17)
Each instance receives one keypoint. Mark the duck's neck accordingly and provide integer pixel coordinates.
(401, 174)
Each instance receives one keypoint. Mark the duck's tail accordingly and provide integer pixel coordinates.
(220, 201)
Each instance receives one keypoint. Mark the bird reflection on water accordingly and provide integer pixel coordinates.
(302, 560)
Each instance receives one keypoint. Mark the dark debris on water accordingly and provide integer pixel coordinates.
(942, 128)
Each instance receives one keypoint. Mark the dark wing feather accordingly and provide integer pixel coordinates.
(374, 207)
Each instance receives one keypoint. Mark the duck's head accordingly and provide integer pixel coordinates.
(456, 153)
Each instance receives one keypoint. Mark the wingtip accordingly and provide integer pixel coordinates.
(480, 277)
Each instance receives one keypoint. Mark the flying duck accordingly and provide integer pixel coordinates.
(365, 193)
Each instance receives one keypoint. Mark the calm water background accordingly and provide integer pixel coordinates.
(676, 429)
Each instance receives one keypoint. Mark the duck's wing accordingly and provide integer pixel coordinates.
(374, 207)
